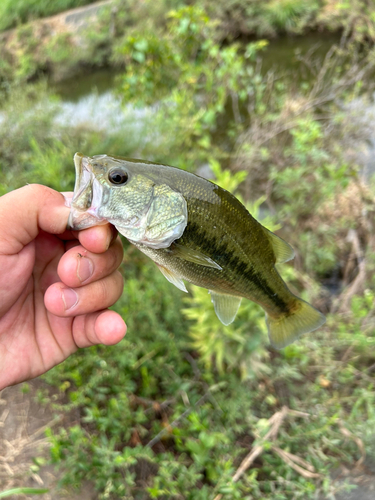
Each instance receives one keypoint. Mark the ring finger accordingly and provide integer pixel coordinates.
(67, 301)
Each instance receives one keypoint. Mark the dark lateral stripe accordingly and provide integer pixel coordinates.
(224, 257)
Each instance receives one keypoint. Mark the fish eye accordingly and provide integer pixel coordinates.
(118, 177)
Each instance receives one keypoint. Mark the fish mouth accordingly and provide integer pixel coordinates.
(87, 197)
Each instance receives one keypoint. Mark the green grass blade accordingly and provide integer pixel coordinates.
(26, 491)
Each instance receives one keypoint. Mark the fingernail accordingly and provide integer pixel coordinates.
(85, 268)
(69, 297)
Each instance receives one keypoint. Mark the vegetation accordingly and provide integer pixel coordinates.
(15, 12)
(268, 18)
(35, 49)
(25, 491)
(185, 408)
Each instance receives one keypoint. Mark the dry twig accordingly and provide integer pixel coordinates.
(344, 300)
(345, 432)
(307, 470)
(298, 464)
(176, 422)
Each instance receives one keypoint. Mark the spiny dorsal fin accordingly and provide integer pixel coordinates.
(283, 251)
(226, 306)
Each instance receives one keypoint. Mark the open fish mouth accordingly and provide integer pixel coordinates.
(87, 197)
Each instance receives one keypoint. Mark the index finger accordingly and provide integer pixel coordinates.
(25, 211)
(97, 239)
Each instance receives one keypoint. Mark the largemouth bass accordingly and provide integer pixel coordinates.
(194, 231)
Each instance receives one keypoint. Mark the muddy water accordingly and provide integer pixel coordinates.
(282, 54)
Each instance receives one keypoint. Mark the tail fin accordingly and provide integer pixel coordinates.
(288, 327)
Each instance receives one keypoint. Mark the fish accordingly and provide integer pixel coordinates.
(194, 231)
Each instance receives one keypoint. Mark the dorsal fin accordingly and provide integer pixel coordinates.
(283, 251)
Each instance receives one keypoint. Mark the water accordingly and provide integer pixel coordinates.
(90, 99)
(282, 54)
(76, 88)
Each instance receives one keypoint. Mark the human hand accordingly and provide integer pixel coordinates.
(55, 285)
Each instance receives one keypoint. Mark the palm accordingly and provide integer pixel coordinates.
(36, 331)
(28, 331)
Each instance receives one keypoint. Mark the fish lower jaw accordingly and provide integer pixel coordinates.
(79, 220)
(93, 212)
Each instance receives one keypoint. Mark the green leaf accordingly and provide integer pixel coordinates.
(139, 56)
(25, 491)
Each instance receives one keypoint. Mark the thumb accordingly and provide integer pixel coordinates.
(25, 211)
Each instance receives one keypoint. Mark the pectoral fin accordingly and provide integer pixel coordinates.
(226, 306)
(193, 256)
(172, 278)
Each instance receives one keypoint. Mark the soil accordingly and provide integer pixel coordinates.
(23, 421)
(361, 479)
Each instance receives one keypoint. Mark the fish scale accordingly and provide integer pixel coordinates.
(194, 231)
(238, 276)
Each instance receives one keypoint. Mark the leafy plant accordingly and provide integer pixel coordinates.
(184, 70)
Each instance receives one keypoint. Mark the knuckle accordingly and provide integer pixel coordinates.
(120, 281)
(103, 291)
(109, 289)
(118, 285)
(113, 258)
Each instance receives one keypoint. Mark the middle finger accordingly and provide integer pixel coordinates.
(78, 266)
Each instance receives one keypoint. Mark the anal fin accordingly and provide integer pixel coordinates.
(226, 306)
(172, 278)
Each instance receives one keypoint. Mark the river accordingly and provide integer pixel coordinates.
(91, 97)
